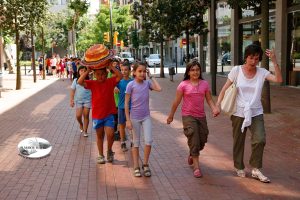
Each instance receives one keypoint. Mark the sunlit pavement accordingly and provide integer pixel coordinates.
(71, 171)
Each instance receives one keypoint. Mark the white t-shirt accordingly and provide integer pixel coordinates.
(249, 90)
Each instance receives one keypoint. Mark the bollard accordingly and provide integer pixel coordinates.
(171, 72)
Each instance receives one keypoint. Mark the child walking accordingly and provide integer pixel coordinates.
(193, 90)
(103, 107)
(121, 88)
(139, 118)
(81, 98)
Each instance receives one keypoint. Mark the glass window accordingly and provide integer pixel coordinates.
(293, 2)
(223, 15)
(255, 10)
(294, 43)
(252, 33)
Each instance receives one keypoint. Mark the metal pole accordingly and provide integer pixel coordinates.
(176, 59)
(111, 28)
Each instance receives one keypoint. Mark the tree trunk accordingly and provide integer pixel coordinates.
(187, 33)
(162, 73)
(32, 57)
(265, 60)
(18, 81)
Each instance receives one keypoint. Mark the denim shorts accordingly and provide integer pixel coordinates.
(107, 121)
(81, 104)
(121, 116)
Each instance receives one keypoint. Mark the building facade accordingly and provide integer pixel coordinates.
(232, 31)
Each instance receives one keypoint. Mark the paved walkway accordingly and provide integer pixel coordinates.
(71, 171)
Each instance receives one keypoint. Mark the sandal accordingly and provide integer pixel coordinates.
(197, 173)
(147, 171)
(137, 172)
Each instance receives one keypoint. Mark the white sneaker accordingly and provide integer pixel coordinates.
(85, 134)
(258, 175)
(240, 173)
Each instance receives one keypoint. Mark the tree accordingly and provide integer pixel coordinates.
(190, 18)
(80, 7)
(38, 11)
(155, 22)
(93, 33)
(168, 19)
(19, 16)
(260, 6)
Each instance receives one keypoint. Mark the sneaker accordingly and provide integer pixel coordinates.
(85, 135)
(110, 156)
(123, 147)
(256, 173)
(190, 160)
(240, 173)
(101, 159)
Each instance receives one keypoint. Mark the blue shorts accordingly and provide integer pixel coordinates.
(121, 116)
(107, 121)
(81, 104)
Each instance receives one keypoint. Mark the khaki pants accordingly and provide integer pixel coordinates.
(196, 131)
(258, 141)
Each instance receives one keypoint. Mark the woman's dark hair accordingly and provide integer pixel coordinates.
(191, 64)
(137, 64)
(78, 74)
(253, 50)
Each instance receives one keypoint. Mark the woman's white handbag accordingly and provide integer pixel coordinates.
(228, 104)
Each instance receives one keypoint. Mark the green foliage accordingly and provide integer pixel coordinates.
(80, 7)
(94, 30)
(167, 19)
(55, 31)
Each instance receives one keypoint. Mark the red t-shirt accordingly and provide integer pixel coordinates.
(103, 102)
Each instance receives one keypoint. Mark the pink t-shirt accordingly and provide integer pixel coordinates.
(193, 98)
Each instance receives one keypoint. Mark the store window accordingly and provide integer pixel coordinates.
(252, 33)
(223, 15)
(294, 43)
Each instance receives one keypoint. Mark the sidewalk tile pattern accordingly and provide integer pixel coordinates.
(71, 171)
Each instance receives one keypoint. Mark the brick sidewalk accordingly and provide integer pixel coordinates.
(71, 171)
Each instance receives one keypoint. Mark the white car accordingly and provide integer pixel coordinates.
(126, 56)
(153, 59)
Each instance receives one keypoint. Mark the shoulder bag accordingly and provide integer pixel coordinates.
(228, 104)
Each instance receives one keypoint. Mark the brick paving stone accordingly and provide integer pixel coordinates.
(71, 171)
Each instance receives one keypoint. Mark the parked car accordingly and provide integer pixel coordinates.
(126, 56)
(153, 59)
(226, 59)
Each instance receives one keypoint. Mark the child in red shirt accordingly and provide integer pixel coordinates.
(103, 107)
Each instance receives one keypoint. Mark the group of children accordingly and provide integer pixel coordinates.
(133, 109)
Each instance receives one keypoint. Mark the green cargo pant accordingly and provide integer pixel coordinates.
(258, 141)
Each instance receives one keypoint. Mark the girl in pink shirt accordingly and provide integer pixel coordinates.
(193, 89)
